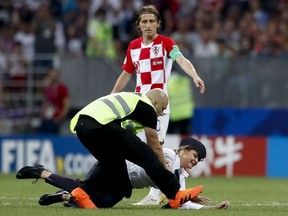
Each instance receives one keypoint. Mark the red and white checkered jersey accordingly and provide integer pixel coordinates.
(151, 62)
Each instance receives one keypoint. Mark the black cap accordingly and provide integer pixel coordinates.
(196, 145)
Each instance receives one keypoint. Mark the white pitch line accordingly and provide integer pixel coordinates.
(15, 198)
(266, 204)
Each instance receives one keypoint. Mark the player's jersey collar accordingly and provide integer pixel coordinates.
(152, 41)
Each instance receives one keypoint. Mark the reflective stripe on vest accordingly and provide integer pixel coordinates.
(113, 107)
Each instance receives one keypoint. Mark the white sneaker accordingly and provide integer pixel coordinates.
(148, 200)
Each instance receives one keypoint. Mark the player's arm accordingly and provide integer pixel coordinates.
(195, 206)
(221, 205)
(122, 81)
(202, 200)
(169, 160)
(153, 142)
(189, 69)
(146, 115)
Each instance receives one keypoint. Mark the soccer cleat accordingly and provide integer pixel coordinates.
(148, 200)
(30, 172)
(82, 198)
(183, 196)
(48, 199)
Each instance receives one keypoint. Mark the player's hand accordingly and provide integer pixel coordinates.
(199, 83)
(202, 200)
(223, 205)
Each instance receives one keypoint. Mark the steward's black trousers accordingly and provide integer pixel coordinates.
(110, 144)
(104, 198)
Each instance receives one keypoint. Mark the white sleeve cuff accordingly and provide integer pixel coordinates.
(191, 205)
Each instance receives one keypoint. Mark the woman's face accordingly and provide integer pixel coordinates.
(188, 158)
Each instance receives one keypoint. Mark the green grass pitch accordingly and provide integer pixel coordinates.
(248, 196)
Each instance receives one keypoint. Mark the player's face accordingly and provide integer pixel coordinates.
(188, 158)
(148, 25)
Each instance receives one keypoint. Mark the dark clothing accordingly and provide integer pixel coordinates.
(63, 182)
(44, 37)
(147, 120)
(106, 197)
(180, 127)
(49, 126)
(111, 145)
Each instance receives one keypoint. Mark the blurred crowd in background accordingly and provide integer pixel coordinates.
(203, 28)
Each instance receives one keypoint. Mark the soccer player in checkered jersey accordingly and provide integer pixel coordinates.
(151, 56)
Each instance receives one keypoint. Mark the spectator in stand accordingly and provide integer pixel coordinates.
(262, 46)
(113, 16)
(7, 41)
(230, 35)
(185, 35)
(31, 4)
(75, 13)
(6, 45)
(16, 76)
(223, 50)
(206, 47)
(25, 35)
(45, 27)
(49, 40)
(56, 104)
(74, 45)
(246, 47)
(259, 13)
(100, 37)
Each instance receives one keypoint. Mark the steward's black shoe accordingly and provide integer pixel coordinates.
(70, 203)
(48, 199)
(30, 172)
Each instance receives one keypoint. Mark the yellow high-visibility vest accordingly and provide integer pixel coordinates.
(134, 126)
(180, 97)
(111, 107)
(104, 39)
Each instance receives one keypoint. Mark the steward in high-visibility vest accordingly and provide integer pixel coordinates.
(113, 107)
(100, 37)
(180, 97)
(98, 127)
